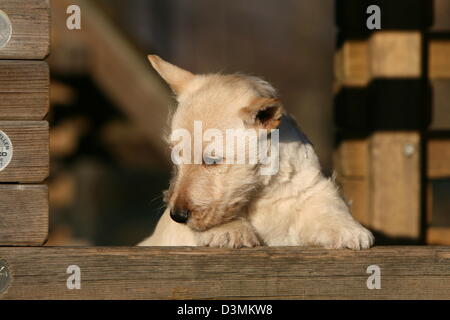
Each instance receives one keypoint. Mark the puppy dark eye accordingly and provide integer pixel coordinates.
(210, 161)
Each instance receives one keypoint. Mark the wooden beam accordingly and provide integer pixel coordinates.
(395, 54)
(395, 180)
(441, 15)
(356, 192)
(386, 54)
(385, 104)
(439, 62)
(24, 90)
(440, 105)
(351, 163)
(438, 153)
(208, 273)
(380, 178)
(438, 236)
(351, 158)
(429, 204)
(30, 160)
(120, 70)
(352, 63)
(23, 214)
(30, 23)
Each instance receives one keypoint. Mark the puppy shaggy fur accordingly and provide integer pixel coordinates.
(233, 205)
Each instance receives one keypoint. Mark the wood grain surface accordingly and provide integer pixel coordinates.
(357, 193)
(30, 20)
(395, 180)
(386, 54)
(24, 90)
(351, 158)
(439, 62)
(438, 153)
(23, 214)
(30, 161)
(438, 236)
(395, 54)
(351, 64)
(208, 273)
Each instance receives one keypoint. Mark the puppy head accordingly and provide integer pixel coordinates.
(212, 189)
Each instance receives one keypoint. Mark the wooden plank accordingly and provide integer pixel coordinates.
(208, 273)
(121, 71)
(351, 158)
(387, 54)
(352, 63)
(438, 236)
(23, 214)
(438, 154)
(30, 21)
(395, 183)
(385, 104)
(30, 160)
(395, 54)
(356, 192)
(440, 104)
(439, 62)
(429, 204)
(441, 15)
(24, 90)
(351, 161)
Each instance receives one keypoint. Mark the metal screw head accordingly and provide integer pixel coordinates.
(5, 276)
(5, 29)
(409, 149)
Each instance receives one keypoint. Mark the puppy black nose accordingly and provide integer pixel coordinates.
(180, 216)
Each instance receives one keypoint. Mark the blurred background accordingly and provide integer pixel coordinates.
(109, 164)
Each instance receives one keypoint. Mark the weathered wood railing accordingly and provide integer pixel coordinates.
(206, 273)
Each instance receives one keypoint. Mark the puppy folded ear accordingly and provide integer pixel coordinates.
(175, 77)
(264, 113)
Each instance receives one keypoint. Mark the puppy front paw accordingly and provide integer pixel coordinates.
(353, 236)
(235, 234)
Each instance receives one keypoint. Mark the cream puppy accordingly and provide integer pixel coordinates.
(235, 205)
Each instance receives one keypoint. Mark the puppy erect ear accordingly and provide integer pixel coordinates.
(175, 77)
(262, 113)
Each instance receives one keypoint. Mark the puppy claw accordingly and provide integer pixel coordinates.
(354, 237)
